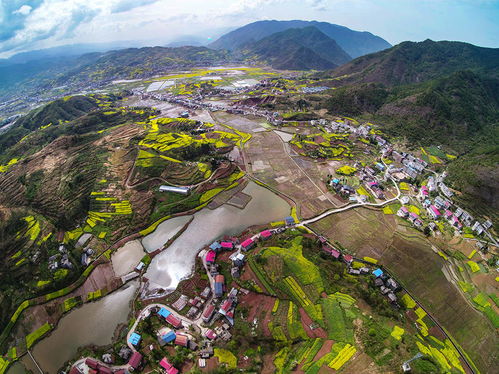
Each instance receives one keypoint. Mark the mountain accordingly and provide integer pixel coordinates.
(354, 43)
(298, 49)
(413, 62)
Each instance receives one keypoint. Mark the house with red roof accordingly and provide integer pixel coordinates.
(135, 360)
(247, 244)
(227, 245)
(347, 258)
(182, 340)
(165, 364)
(433, 211)
(265, 234)
(210, 256)
(210, 334)
(208, 313)
(91, 363)
(336, 254)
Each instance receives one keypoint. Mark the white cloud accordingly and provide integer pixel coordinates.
(24, 10)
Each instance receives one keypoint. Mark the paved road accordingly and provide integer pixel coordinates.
(337, 210)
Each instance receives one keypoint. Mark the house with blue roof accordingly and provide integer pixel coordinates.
(163, 312)
(289, 220)
(134, 338)
(378, 273)
(168, 337)
(215, 246)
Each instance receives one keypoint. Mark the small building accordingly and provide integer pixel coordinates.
(227, 245)
(210, 256)
(170, 318)
(378, 282)
(167, 366)
(403, 212)
(238, 260)
(335, 254)
(135, 360)
(215, 246)
(235, 272)
(247, 244)
(206, 293)
(433, 211)
(182, 340)
(104, 370)
(208, 313)
(91, 363)
(378, 273)
(290, 221)
(391, 296)
(166, 335)
(202, 363)
(180, 190)
(265, 234)
(392, 284)
(134, 339)
(347, 258)
(210, 334)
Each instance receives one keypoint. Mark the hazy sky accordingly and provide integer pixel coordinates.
(36, 24)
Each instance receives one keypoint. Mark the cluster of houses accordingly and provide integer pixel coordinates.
(441, 208)
(97, 367)
(368, 176)
(387, 285)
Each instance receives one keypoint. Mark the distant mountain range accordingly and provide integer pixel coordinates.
(354, 43)
(297, 49)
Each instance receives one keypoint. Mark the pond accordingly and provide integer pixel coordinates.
(175, 263)
(164, 232)
(126, 258)
(92, 323)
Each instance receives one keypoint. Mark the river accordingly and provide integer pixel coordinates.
(175, 263)
(92, 323)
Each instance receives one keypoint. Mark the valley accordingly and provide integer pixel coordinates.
(232, 212)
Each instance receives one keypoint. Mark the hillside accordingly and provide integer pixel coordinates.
(298, 49)
(96, 67)
(354, 43)
(411, 62)
(459, 111)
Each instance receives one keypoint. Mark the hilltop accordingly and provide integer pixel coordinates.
(355, 43)
(298, 49)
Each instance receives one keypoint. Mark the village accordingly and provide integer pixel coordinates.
(200, 323)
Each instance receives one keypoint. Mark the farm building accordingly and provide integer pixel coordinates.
(135, 360)
(134, 339)
(180, 190)
(289, 221)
